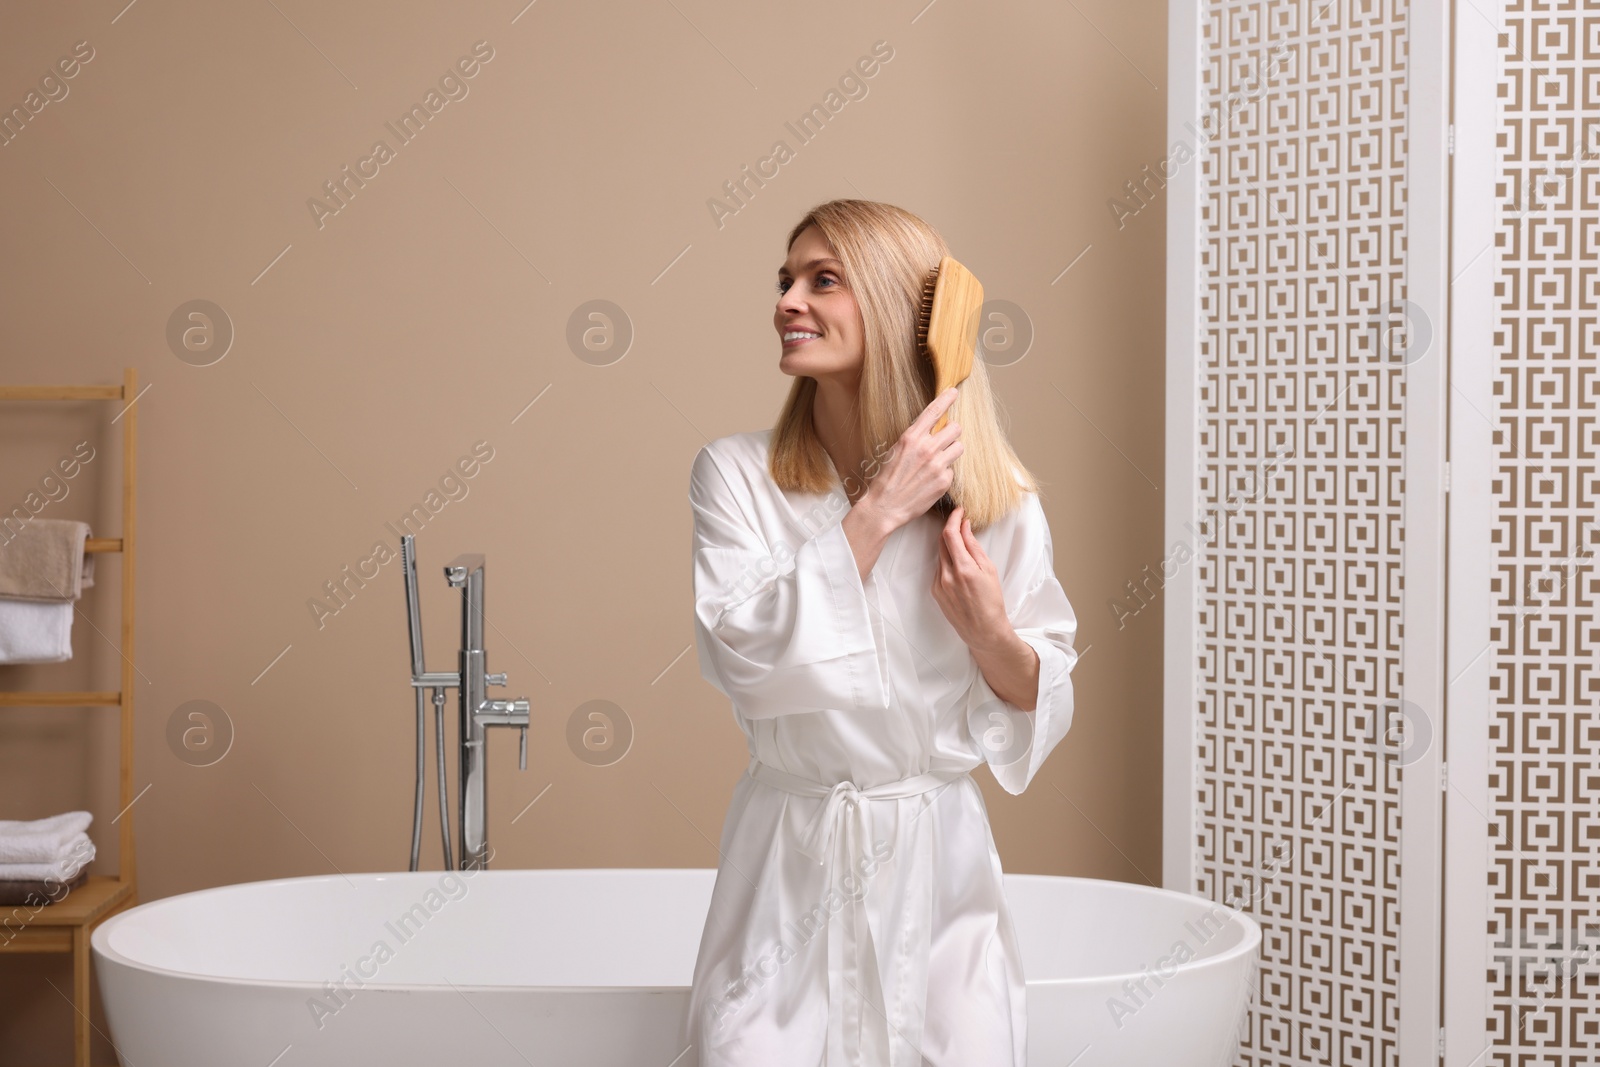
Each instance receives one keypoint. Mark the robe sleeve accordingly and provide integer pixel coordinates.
(780, 628)
(1015, 742)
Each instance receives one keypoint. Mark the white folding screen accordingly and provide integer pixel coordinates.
(1523, 848)
(1307, 391)
(1383, 238)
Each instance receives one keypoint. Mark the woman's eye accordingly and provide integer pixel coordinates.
(782, 282)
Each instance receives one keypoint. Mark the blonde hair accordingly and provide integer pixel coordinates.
(887, 252)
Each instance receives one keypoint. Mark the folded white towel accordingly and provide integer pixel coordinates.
(79, 853)
(69, 821)
(42, 840)
(35, 631)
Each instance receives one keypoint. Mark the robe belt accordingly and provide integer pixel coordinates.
(858, 1033)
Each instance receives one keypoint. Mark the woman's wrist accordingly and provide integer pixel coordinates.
(866, 529)
(1011, 667)
(875, 515)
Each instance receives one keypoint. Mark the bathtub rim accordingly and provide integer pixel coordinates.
(1246, 946)
(99, 940)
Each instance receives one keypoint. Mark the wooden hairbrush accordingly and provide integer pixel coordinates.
(947, 331)
(947, 325)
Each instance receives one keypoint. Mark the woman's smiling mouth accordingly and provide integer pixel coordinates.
(791, 338)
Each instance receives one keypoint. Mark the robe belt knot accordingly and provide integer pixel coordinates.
(842, 803)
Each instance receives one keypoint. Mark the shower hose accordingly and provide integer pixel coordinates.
(444, 805)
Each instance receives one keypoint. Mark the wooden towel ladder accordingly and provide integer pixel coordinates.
(67, 925)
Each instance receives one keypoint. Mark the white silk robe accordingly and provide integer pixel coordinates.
(858, 915)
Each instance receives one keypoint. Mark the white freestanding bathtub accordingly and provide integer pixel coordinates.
(507, 968)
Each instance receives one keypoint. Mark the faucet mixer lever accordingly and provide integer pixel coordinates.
(503, 712)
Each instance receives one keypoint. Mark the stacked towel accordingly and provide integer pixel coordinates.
(36, 894)
(44, 857)
(43, 569)
(45, 560)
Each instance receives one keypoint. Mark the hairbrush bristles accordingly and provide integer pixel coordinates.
(925, 312)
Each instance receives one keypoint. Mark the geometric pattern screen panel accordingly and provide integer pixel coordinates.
(1300, 435)
(1544, 724)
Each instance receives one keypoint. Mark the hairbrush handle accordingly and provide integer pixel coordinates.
(947, 326)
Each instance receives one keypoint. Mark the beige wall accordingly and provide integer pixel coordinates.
(425, 315)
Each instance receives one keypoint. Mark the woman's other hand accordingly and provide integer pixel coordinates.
(967, 588)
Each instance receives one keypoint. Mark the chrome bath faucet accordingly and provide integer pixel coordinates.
(477, 714)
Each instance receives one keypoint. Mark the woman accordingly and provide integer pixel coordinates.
(875, 653)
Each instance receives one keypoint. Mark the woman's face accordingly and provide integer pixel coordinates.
(813, 300)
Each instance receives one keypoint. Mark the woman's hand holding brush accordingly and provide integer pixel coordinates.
(920, 468)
